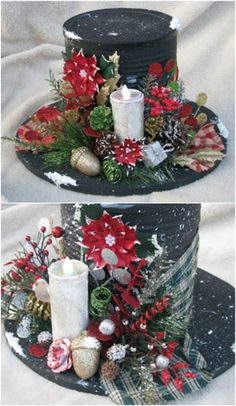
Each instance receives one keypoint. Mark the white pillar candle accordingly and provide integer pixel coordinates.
(128, 113)
(68, 287)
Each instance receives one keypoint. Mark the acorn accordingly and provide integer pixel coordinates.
(85, 355)
(85, 161)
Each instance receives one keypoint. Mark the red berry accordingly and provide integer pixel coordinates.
(43, 229)
(28, 238)
(49, 241)
(57, 232)
(27, 269)
(16, 276)
(45, 252)
(36, 277)
(34, 244)
(44, 268)
(20, 263)
(30, 254)
(3, 282)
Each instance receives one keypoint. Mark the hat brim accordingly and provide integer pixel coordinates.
(94, 185)
(211, 328)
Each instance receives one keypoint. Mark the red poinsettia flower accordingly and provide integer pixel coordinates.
(155, 69)
(47, 114)
(129, 152)
(110, 232)
(83, 75)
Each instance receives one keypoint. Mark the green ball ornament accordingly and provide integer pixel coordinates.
(101, 118)
(112, 171)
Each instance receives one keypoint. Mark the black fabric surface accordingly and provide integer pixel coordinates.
(174, 225)
(213, 310)
(140, 37)
(97, 186)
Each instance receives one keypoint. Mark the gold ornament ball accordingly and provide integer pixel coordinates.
(201, 99)
(85, 161)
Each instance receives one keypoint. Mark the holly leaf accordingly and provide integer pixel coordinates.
(91, 211)
(106, 67)
(130, 300)
(67, 55)
(174, 86)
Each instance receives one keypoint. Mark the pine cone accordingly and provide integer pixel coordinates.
(110, 370)
(172, 132)
(101, 118)
(153, 125)
(103, 147)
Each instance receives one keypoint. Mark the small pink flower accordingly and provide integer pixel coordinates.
(59, 355)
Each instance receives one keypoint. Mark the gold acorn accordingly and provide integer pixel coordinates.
(110, 370)
(85, 355)
(85, 161)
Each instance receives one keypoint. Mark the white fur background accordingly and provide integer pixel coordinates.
(32, 42)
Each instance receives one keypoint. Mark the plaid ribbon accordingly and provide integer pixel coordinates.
(180, 279)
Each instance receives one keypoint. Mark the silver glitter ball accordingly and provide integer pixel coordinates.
(125, 322)
(116, 352)
(117, 309)
(164, 345)
(23, 329)
(153, 366)
(162, 362)
(134, 313)
(109, 256)
(143, 326)
(150, 346)
(107, 327)
(133, 349)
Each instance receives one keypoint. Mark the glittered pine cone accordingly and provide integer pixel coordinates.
(110, 370)
(103, 147)
(153, 125)
(101, 118)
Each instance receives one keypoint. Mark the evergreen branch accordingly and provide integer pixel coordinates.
(141, 175)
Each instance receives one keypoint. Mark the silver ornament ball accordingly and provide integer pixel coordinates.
(150, 346)
(125, 322)
(162, 362)
(107, 327)
(143, 326)
(133, 349)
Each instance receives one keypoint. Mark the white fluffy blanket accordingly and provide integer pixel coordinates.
(22, 386)
(32, 42)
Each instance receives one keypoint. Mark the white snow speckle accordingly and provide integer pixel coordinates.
(233, 347)
(13, 342)
(82, 383)
(113, 34)
(71, 35)
(210, 332)
(222, 129)
(59, 179)
(175, 24)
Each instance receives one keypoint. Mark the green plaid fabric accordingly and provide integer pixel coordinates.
(179, 279)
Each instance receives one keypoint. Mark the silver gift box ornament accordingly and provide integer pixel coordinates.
(154, 153)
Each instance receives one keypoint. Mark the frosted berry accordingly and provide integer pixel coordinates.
(28, 238)
(20, 263)
(57, 232)
(49, 241)
(44, 268)
(43, 229)
(34, 244)
(45, 252)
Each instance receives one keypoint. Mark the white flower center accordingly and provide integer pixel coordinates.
(128, 150)
(110, 240)
(83, 73)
